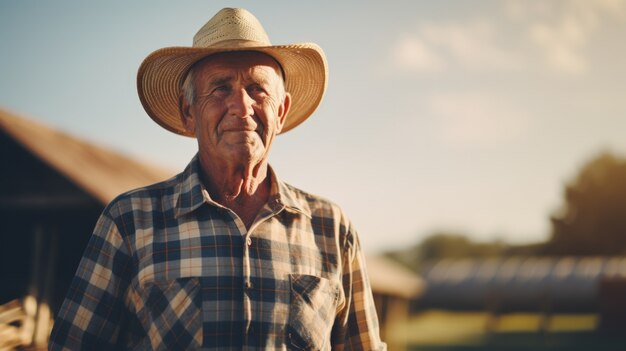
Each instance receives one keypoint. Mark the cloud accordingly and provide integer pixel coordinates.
(473, 45)
(434, 46)
(414, 54)
(477, 118)
(562, 30)
(562, 45)
(557, 33)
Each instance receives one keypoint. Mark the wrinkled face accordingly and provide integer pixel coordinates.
(238, 107)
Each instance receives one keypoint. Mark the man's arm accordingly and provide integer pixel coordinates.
(91, 315)
(356, 326)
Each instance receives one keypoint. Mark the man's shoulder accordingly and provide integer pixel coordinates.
(327, 217)
(317, 205)
(308, 197)
(144, 197)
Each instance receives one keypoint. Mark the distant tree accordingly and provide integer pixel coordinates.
(442, 245)
(592, 220)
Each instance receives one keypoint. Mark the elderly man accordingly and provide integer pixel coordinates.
(224, 255)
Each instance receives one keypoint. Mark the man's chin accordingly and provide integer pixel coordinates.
(245, 153)
(238, 138)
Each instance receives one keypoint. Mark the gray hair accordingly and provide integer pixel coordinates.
(188, 88)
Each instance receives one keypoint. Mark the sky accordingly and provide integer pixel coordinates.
(465, 117)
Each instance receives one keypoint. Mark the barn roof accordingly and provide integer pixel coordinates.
(100, 172)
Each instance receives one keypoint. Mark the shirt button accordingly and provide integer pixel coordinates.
(249, 285)
(249, 241)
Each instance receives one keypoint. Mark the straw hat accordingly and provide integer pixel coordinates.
(161, 74)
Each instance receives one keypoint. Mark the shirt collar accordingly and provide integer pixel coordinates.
(190, 191)
(283, 197)
(191, 194)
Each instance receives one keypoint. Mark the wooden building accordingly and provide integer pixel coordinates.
(52, 190)
(394, 287)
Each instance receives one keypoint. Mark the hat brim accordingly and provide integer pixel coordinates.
(160, 78)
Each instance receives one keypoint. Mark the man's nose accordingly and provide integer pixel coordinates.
(240, 103)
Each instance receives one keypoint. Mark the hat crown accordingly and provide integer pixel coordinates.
(231, 24)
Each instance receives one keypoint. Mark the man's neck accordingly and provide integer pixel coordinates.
(243, 189)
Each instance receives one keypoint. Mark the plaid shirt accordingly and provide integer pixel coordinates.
(168, 268)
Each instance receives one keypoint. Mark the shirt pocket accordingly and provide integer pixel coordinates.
(311, 312)
(174, 308)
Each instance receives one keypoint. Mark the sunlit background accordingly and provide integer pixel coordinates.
(441, 117)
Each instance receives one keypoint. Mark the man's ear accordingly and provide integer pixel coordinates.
(283, 110)
(186, 116)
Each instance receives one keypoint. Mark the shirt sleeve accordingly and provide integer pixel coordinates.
(356, 326)
(92, 313)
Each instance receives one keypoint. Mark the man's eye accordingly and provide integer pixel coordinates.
(256, 89)
(221, 89)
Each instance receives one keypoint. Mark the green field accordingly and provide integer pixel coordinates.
(439, 330)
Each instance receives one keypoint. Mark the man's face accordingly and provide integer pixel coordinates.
(239, 107)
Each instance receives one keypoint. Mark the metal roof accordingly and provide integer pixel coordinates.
(558, 283)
